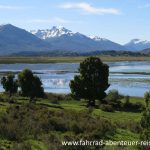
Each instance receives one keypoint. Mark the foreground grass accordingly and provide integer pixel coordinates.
(9, 60)
(126, 122)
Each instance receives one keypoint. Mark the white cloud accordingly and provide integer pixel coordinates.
(90, 9)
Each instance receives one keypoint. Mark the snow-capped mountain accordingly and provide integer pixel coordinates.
(50, 33)
(64, 39)
(58, 40)
(137, 45)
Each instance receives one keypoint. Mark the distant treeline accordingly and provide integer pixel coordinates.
(94, 53)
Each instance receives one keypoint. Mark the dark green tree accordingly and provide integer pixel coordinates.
(92, 81)
(31, 85)
(10, 84)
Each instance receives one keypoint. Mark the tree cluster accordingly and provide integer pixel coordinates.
(29, 84)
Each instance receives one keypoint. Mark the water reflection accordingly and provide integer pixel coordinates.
(56, 77)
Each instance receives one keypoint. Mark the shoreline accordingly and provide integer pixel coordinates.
(134, 73)
(67, 71)
(43, 60)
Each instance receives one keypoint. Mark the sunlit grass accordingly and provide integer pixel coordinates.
(8, 60)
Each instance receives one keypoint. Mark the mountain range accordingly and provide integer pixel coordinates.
(14, 40)
(64, 39)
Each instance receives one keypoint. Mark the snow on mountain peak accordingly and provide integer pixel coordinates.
(53, 32)
(57, 31)
(138, 44)
(97, 38)
(139, 41)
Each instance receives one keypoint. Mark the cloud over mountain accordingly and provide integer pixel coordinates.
(90, 9)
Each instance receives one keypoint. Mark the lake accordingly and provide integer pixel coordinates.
(129, 78)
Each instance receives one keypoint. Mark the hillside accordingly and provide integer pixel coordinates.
(146, 51)
(15, 40)
(137, 45)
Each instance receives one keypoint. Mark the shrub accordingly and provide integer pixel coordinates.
(113, 95)
(36, 122)
(55, 101)
(22, 146)
(11, 131)
(59, 124)
(133, 126)
(108, 108)
(127, 99)
(137, 107)
(75, 127)
(56, 98)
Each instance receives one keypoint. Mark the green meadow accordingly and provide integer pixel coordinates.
(45, 124)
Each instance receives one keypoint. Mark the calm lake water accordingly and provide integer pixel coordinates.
(56, 77)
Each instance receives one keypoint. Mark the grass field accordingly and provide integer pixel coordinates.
(8, 60)
(126, 122)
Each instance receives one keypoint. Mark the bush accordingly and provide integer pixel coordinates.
(53, 97)
(113, 95)
(11, 131)
(22, 146)
(36, 122)
(107, 108)
(75, 127)
(1, 98)
(55, 101)
(112, 101)
(59, 124)
(127, 99)
(133, 126)
(104, 130)
(137, 107)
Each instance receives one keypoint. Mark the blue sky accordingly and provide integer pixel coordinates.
(117, 20)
